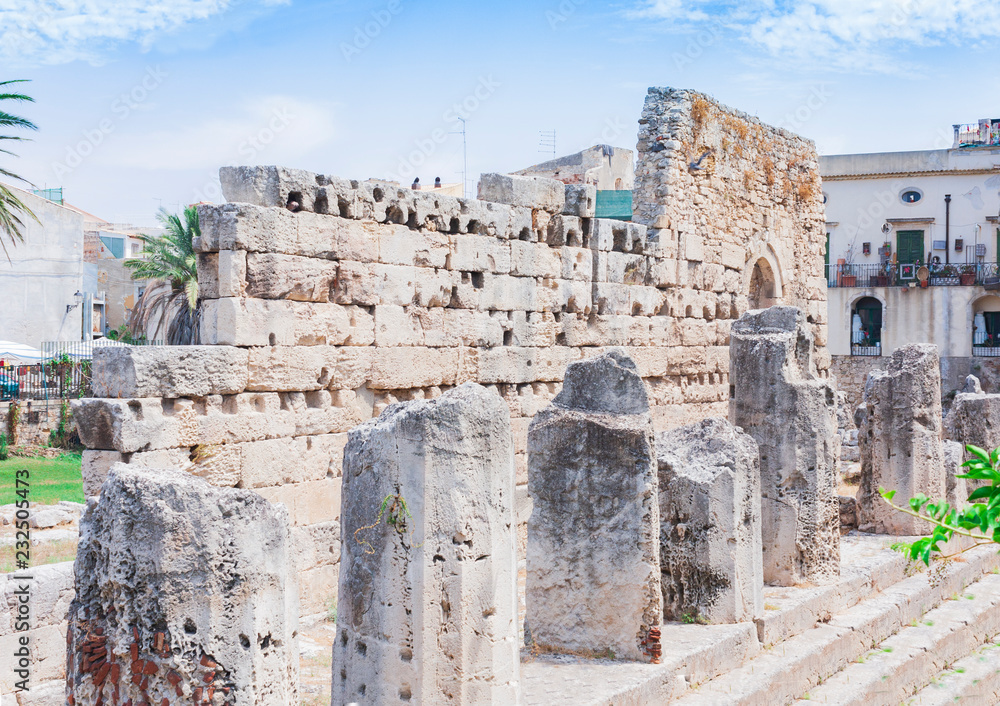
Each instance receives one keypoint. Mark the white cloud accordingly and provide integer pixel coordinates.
(271, 129)
(851, 34)
(36, 32)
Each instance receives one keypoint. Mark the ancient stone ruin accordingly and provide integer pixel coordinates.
(711, 556)
(593, 536)
(456, 402)
(778, 398)
(900, 434)
(428, 586)
(184, 594)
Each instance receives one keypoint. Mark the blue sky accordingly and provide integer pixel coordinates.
(140, 101)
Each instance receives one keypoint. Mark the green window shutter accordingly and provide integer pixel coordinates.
(910, 248)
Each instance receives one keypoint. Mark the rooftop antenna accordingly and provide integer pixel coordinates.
(465, 159)
(547, 141)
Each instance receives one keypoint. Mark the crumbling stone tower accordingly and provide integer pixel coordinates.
(735, 215)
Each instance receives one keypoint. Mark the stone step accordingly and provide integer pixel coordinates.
(909, 659)
(971, 681)
(786, 671)
(695, 654)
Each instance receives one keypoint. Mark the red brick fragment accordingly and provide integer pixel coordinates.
(102, 674)
(135, 651)
(209, 677)
(135, 633)
(137, 679)
(115, 673)
(207, 661)
(173, 677)
(137, 667)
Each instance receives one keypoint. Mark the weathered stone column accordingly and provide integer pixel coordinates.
(593, 552)
(974, 417)
(427, 609)
(901, 439)
(778, 399)
(710, 536)
(183, 595)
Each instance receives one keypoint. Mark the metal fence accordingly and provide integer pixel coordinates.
(983, 274)
(45, 381)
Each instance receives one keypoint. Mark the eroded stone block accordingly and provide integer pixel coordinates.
(900, 437)
(530, 192)
(169, 371)
(593, 536)
(778, 398)
(427, 608)
(182, 591)
(710, 525)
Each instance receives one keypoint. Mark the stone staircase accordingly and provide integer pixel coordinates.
(887, 633)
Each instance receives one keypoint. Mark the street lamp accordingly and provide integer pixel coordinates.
(79, 298)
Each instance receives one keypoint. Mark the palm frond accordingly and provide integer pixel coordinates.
(170, 302)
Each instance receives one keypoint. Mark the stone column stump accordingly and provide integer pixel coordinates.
(710, 538)
(183, 595)
(778, 398)
(427, 608)
(593, 585)
(900, 437)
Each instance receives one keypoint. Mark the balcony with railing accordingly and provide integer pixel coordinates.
(985, 133)
(985, 344)
(983, 274)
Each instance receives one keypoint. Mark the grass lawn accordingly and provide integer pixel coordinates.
(51, 479)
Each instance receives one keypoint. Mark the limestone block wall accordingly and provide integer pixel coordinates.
(325, 300)
(735, 207)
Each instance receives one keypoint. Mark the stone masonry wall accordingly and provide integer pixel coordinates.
(325, 300)
(721, 192)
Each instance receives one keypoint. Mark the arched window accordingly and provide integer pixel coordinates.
(866, 327)
(762, 289)
(986, 326)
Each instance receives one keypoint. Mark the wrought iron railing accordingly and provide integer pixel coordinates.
(983, 274)
(875, 350)
(985, 345)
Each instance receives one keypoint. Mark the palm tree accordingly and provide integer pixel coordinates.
(10, 205)
(169, 262)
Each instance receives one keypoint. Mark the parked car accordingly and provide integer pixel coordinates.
(9, 388)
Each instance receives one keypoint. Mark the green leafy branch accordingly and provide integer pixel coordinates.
(398, 511)
(979, 521)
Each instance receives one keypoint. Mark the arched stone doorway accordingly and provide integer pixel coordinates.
(763, 290)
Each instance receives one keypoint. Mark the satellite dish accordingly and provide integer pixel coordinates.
(886, 228)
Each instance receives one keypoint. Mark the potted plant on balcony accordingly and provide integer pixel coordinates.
(967, 275)
(849, 278)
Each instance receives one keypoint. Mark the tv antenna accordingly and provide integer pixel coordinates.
(465, 159)
(547, 141)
